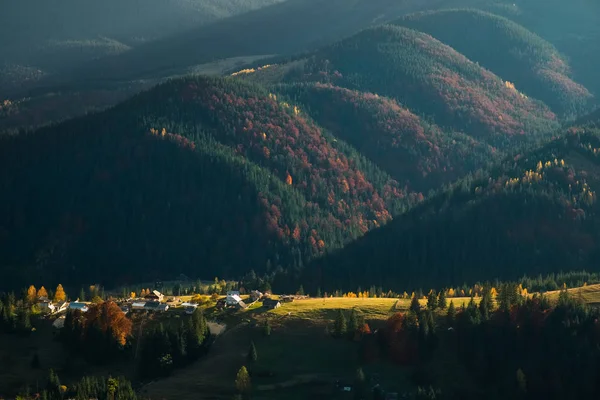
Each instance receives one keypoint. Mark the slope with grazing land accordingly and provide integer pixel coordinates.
(414, 152)
(202, 176)
(534, 213)
(432, 79)
(510, 51)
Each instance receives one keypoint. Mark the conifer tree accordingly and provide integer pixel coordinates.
(82, 295)
(31, 295)
(415, 307)
(353, 322)
(252, 354)
(432, 300)
(267, 328)
(60, 294)
(451, 316)
(300, 291)
(319, 292)
(242, 381)
(42, 292)
(339, 327)
(442, 302)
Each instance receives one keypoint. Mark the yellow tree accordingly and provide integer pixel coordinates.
(42, 292)
(132, 295)
(31, 294)
(451, 292)
(60, 294)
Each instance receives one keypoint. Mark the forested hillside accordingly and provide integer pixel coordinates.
(202, 176)
(431, 79)
(510, 51)
(533, 213)
(413, 151)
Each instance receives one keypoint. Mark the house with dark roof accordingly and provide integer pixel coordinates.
(154, 296)
(271, 304)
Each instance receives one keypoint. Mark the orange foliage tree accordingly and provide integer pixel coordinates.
(108, 317)
(31, 294)
(42, 292)
(60, 294)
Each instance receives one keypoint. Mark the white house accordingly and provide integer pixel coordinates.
(138, 305)
(233, 293)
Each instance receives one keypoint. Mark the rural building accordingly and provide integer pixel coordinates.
(232, 300)
(162, 307)
(271, 304)
(78, 306)
(189, 310)
(151, 306)
(154, 296)
(255, 295)
(233, 293)
(138, 305)
(47, 306)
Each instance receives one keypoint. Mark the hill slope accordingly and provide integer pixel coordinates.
(535, 213)
(201, 176)
(413, 151)
(427, 77)
(510, 51)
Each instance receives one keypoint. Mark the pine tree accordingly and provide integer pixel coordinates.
(60, 294)
(242, 381)
(339, 326)
(53, 386)
(415, 307)
(486, 303)
(252, 354)
(267, 328)
(442, 302)
(451, 316)
(82, 295)
(432, 300)
(319, 292)
(353, 322)
(300, 291)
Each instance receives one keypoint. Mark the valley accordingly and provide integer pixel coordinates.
(416, 181)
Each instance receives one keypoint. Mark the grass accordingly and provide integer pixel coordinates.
(589, 294)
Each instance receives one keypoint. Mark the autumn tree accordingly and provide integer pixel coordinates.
(242, 381)
(31, 295)
(59, 294)
(42, 292)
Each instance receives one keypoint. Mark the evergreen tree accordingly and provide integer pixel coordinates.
(415, 307)
(451, 316)
(53, 386)
(82, 295)
(360, 384)
(300, 291)
(486, 303)
(339, 326)
(242, 381)
(319, 292)
(442, 302)
(252, 354)
(353, 323)
(267, 328)
(432, 300)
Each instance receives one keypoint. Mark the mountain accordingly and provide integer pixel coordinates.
(412, 150)
(429, 78)
(536, 212)
(284, 28)
(199, 175)
(510, 51)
